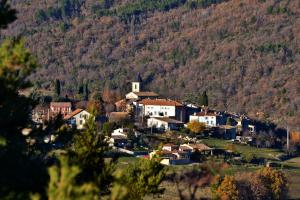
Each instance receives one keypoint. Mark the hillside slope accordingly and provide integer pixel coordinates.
(245, 54)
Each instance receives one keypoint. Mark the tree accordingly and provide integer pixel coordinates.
(62, 184)
(203, 99)
(265, 183)
(88, 152)
(196, 127)
(140, 179)
(252, 186)
(227, 189)
(21, 170)
(107, 128)
(276, 181)
(96, 107)
(86, 92)
(16, 64)
(189, 182)
(57, 87)
(7, 15)
(80, 89)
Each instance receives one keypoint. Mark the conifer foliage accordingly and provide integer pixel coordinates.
(62, 184)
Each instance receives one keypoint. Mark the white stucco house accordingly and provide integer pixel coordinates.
(162, 108)
(210, 119)
(78, 118)
(164, 123)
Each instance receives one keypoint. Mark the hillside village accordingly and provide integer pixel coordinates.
(145, 124)
(149, 99)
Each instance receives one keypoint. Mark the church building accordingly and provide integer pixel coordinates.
(137, 93)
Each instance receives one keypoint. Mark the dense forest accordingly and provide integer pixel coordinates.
(245, 54)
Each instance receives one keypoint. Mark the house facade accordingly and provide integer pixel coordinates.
(162, 108)
(63, 108)
(164, 124)
(210, 119)
(201, 148)
(78, 118)
(40, 114)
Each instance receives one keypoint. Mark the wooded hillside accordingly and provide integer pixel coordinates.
(245, 54)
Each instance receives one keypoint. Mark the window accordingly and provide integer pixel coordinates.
(80, 122)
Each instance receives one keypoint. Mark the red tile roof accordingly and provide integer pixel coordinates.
(168, 120)
(60, 104)
(199, 147)
(160, 102)
(72, 114)
(201, 114)
(146, 94)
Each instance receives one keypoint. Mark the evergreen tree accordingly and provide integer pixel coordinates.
(7, 15)
(86, 92)
(21, 173)
(139, 179)
(57, 87)
(89, 148)
(204, 99)
(80, 89)
(62, 184)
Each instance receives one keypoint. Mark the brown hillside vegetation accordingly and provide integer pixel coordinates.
(245, 54)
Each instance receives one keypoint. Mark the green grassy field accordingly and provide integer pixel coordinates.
(243, 149)
(291, 168)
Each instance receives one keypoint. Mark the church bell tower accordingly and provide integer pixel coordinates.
(136, 85)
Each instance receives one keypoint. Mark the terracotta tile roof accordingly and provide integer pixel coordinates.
(72, 114)
(182, 148)
(60, 104)
(160, 102)
(168, 120)
(200, 147)
(120, 102)
(146, 94)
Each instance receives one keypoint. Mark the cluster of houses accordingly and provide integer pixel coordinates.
(75, 118)
(172, 154)
(165, 114)
(151, 111)
(148, 110)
